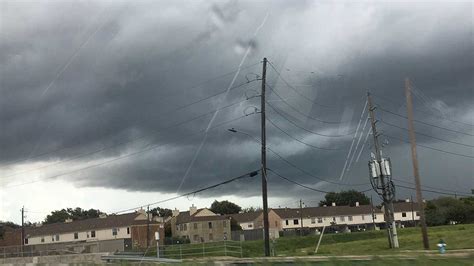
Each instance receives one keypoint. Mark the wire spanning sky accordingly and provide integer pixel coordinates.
(104, 104)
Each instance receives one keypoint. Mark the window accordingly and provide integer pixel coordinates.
(195, 226)
(42, 240)
(250, 225)
(417, 214)
(342, 218)
(211, 237)
(404, 214)
(375, 216)
(196, 238)
(57, 237)
(114, 231)
(210, 225)
(185, 227)
(313, 220)
(276, 223)
(286, 222)
(349, 218)
(128, 230)
(52, 239)
(296, 221)
(363, 217)
(76, 235)
(92, 233)
(26, 241)
(320, 220)
(334, 219)
(224, 223)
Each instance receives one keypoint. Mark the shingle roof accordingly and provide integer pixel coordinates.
(405, 206)
(246, 217)
(86, 225)
(285, 213)
(184, 217)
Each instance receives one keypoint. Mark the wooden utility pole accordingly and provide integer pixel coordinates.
(264, 163)
(22, 229)
(411, 133)
(148, 226)
(301, 214)
(385, 186)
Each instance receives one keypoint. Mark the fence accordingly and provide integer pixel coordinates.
(62, 248)
(206, 249)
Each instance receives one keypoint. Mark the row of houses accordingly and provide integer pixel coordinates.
(109, 233)
(202, 225)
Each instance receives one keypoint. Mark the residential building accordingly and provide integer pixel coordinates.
(254, 221)
(359, 216)
(406, 213)
(200, 225)
(106, 233)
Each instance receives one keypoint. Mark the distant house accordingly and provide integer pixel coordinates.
(359, 216)
(200, 225)
(406, 213)
(106, 233)
(254, 221)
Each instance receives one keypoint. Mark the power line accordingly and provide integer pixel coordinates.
(298, 140)
(305, 129)
(421, 111)
(249, 174)
(307, 187)
(166, 112)
(437, 188)
(431, 148)
(123, 142)
(295, 90)
(424, 123)
(301, 113)
(434, 191)
(148, 148)
(426, 135)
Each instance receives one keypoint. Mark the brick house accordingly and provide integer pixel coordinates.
(200, 225)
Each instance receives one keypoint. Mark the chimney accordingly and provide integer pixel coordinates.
(175, 212)
(192, 210)
(407, 200)
(68, 220)
(333, 204)
(357, 204)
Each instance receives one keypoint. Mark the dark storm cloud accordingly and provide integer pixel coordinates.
(118, 70)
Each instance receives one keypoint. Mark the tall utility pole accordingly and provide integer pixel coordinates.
(22, 229)
(385, 185)
(373, 212)
(301, 214)
(412, 211)
(148, 226)
(264, 163)
(411, 133)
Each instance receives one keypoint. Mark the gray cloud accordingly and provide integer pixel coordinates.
(120, 69)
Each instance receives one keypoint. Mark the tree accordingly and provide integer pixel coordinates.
(162, 212)
(344, 198)
(251, 209)
(77, 213)
(225, 207)
(444, 210)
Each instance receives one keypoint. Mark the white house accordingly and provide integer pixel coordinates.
(317, 217)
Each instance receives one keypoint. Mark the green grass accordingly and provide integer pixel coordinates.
(366, 243)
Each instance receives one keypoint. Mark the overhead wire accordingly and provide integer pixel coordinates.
(147, 148)
(426, 186)
(301, 113)
(249, 174)
(421, 111)
(127, 141)
(434, 191)
(431, 148)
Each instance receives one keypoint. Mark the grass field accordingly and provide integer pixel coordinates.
(366, 243)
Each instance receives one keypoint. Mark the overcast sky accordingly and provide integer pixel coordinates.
(112, 105)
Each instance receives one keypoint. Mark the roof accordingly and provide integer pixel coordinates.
(184, 217)
(110, 221)
(285, 213)
(246, 217)
(405, 206)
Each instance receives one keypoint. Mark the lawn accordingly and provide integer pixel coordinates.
(366, 243)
